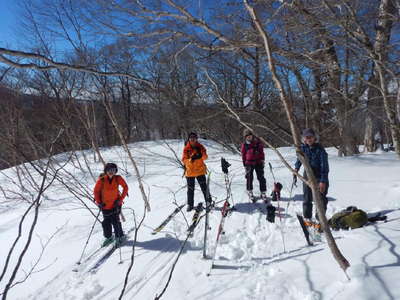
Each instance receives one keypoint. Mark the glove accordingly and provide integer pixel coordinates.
(294, 179)
(118, 203)
(100, 205)
(196, 156)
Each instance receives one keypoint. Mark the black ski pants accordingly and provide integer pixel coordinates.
(308, 200)
(190, 189)
(260, 176)
(111, 220)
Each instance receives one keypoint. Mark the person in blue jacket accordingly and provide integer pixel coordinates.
(318, 159)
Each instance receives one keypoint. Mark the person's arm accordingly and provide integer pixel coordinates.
(125, 189)
(261, 150)
(204, 155)
(324, 166)
(243, 151)
(297, 164)
(97, 191)
(185, 156)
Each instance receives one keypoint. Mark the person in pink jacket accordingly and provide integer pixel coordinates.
(253, 160)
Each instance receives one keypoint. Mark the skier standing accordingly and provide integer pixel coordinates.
(253, 160)
(193, 157)
(318, 159)
(109, 199)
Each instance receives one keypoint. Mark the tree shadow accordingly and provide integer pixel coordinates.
(163, 244)
(299, 197)
(374, 269)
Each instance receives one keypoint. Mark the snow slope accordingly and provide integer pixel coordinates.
(251, 261)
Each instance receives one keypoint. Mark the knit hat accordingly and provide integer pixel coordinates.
(247, 132)
(110, 166)
(308, 132)
(192, 134)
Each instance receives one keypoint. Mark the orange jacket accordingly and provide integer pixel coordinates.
(107, 191)
(196, 167)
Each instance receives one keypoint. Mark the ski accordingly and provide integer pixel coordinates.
(208, 208)
(195, 218)
(109, 249)
(305, 230)
(224, 212)
(168, 219)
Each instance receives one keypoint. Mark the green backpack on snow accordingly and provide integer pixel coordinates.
(351, 217)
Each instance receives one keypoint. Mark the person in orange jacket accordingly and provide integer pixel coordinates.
(193, 157)
(109, 199)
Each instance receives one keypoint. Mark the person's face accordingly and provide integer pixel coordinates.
(192, 139)
(309, 140)
(111, 172)
(249, 138)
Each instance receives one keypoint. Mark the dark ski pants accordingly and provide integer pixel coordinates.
(190, 189)
(260, 176)
(110, 220)
(308, 201)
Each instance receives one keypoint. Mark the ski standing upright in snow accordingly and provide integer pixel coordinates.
(226, 208)
(206, 223)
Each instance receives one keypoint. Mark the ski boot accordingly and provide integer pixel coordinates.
(107, 241)
(189, 208)
(119, 241)
(271, 213)
(251, 196)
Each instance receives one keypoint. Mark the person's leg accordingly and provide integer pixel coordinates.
(307, 202)
(204, 188)
(106, 224)
(190, 191)
(324, 199)
(117, 225)
(261, 179)
(249, 178)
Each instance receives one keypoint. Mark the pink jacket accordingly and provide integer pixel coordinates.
(253, 153)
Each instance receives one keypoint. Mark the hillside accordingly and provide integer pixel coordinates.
(251, 260)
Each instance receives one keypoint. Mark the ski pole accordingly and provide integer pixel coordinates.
(90, 234)
(290, 195)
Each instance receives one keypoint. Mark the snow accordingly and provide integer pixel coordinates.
(250, 261)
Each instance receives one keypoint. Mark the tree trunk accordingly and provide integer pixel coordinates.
(312, 182)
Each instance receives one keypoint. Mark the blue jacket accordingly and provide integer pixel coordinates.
(318, 160)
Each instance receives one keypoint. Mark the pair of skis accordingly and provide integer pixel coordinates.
(109, 250)
(195, 219)
(226, 208)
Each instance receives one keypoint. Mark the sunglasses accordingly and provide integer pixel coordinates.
(112, 170)
(309, 137)
(192, 137)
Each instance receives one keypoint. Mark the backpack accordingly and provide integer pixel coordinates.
(351, 217)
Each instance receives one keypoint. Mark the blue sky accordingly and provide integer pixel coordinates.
(8, 22)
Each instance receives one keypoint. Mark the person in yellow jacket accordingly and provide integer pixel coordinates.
(193, 157)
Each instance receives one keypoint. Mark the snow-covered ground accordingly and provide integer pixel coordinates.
(251, 261)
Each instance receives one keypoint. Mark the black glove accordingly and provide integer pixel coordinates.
(118, 203)
(196, 156)
(225, 165)
(294, 179)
